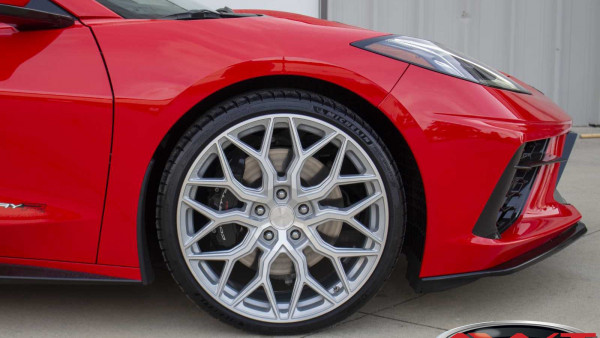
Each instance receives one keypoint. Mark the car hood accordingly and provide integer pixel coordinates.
(297, 17)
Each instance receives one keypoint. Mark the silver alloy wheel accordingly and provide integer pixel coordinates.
(248, 286)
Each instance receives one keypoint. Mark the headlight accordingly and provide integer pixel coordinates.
(438, 58)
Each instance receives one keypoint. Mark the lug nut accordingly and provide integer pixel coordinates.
(269, 235)
(260, 210)
(295, 235)
(281, 194)
(303, 209)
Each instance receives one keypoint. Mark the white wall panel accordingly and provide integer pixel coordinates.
(552, 44)
(306, 7)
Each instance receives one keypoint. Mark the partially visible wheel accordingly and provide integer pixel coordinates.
(280, 212)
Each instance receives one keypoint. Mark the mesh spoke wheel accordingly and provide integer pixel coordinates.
(280, 218)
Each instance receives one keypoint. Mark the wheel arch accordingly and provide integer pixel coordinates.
(148, 248)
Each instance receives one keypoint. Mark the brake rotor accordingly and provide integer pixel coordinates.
(283, 266)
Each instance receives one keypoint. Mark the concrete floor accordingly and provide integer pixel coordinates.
(563, 289)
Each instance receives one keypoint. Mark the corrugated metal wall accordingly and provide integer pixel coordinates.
(553, 45)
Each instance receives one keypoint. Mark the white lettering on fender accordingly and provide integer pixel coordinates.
(11, 206)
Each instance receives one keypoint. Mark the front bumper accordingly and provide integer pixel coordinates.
(463, 137)
(564, 239)
(550, 169)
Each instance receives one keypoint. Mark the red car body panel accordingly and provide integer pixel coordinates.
(462, 134)
(55, 135)
(19, 3)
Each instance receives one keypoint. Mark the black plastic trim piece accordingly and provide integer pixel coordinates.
(47, 6)
(23, 274)
(536, 255)
(25, 19)
(532, 165)
(486, 224)
(146, 270)
(559, 198)
(568, 148)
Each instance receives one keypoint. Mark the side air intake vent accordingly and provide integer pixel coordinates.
(520, 187)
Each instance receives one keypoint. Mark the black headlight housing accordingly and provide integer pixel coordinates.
(436, 57)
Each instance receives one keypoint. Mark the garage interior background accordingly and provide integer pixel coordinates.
(554, 45)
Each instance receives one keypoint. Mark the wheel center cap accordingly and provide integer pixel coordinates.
(282, 217)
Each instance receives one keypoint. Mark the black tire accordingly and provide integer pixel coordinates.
(241, 108)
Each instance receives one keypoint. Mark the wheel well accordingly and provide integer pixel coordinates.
(415, 196)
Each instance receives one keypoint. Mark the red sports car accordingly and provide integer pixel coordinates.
(280, 163)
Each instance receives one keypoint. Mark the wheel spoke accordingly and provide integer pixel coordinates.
(303, 155)
(303, 277)
(326, 249)
(267, 167)
(345, 214)
(224, 164)
(337, 215)
(337, 164)
(266, 144)
(261, 279)
(235, 185)
(331, 181)
(209, 183)
(247, 291)
(364, 204)
(244, 147)
(207, 229)
(318, 288)
(356, 225)
(247, 246)
(356, 179)
(334, 253)
(227, 268)
(212, 256)
(295, 296)
(229, 182)
(315, 148)
(271, 297)
(239, 191)
(339, 268)
(220, 217)
(264, 274)
(296, 143)
(301, 273)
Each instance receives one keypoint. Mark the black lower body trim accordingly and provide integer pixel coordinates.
(23, 274)
(440, 283)
(146, 269)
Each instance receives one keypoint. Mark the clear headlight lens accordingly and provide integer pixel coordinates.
(433, 56)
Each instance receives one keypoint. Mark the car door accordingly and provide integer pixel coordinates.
(55, 139)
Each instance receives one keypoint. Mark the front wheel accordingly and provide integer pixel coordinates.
(280, 212)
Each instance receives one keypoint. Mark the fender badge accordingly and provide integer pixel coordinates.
(20, 206)
(11, 206)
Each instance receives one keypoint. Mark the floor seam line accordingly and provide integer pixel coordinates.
(409, 322)
(338, 325)
(392, 306)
